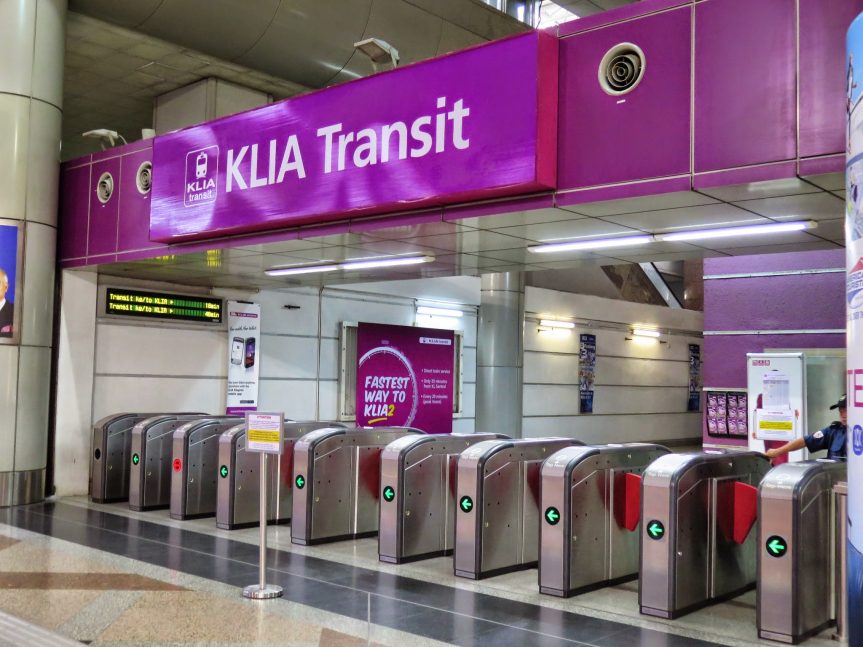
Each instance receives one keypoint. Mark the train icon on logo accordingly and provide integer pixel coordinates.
(202, 170)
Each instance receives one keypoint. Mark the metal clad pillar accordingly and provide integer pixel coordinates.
(32, 41)
(500, 354)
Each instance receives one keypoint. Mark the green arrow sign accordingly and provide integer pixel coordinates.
(552, 516)
(466, 504)
(300, 481)
(776, 546)
(223, 471)
(389, 493)
(655, 530)
(135, 459)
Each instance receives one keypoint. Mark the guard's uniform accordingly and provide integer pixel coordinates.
(831, 438)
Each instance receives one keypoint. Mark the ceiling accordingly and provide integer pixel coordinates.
(498, 243)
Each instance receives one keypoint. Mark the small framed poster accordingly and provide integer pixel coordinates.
(11, 257)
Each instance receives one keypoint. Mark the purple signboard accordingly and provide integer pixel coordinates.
(405, 377)
(475, 124)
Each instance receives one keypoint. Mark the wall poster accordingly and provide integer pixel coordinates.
(586, 372)
(244, 336)
(11, 244)
(776, 386)
(405, 377)
(727, 413)
(694, 403)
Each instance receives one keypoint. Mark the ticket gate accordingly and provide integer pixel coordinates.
(417, 514)
(109, 463)
(238, 492)
(195, 470)
(337, 483)
(591, 503)
(497, 489)
(697, 511)
(797, 550)
(151, 458)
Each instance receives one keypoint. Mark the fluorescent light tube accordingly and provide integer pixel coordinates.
(642, 332)
(300, 269)
(551, 323)
(438, 312)
(749, 230)
(386, 262)
(597, 243)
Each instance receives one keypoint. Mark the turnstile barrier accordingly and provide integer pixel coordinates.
(417, 511)
(591, 507)
(194, 470)
(797, 550)
(497, 490)
(109, 462)
(151, 458)
(337, 483)
(697, 512)
(238, 492)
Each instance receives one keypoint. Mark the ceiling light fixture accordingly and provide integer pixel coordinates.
(551, 323)
(643, 332)
(300, 269)
(438, 312)
(596, 243)
(386, 262)
(750, 230)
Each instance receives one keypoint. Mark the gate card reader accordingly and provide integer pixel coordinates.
(591, 504)
(194, 469)
(109, 463)
(337, 483)
(497, 489)
(417, 511)
(696, 544)
(238, 492)
(152, 458)
(797, 549)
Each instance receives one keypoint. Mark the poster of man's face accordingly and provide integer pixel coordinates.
(8, 275)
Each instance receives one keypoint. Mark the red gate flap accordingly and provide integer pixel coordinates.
(628, 506)
(745, 510)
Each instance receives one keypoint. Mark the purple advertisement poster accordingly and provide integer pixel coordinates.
(475, 124)
(405, 377)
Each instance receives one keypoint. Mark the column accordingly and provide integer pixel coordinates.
(32, 41)
(499, 354)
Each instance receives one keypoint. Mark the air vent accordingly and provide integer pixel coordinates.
(105, 188)
(144, 177)
(621, 69)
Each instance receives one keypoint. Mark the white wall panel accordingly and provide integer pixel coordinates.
(48, 50)
(547, 368)
(17, 25)
(613, 428)
(640, 399)
(468, 364)
(330, 357)
(548, 344)
(8, 404)
(288, 357)
(339, 309)
(296, 398)
(114, 394)
(468, 400)
(463, 426)
(642, 372)
(37, 316)
(468, 326)
(14, 134)
(151, 350)
(614, 343)
(34, 384)
(550, 400)
(329, 400)
(43, 174)
(275, 318)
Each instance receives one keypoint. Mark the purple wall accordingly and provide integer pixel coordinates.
(814, 301)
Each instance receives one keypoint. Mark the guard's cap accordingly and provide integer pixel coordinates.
(842, 404)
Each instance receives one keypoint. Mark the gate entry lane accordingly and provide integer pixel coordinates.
(397, 602)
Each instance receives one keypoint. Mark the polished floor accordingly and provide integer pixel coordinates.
(103, 575)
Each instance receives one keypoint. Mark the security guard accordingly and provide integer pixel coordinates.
(831, 438)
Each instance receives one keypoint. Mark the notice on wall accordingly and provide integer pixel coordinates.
(776, 404)
(405, 377)
(694, 403)
(10, 261)
(264, 432)
(586, 372)
(244, 334)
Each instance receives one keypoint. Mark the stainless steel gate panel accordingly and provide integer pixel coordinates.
(337, 483)
(238, 504)
(797, 550)
(584, 543)
(150, 460)
(418, 472)
(109, 463)
(497, 492)
(195, 471)
(694, 560)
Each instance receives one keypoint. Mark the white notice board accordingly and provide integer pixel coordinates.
(776, 385)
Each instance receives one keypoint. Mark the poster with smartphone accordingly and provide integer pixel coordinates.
(244, 336)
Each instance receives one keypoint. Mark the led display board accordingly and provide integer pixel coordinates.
(158, 305)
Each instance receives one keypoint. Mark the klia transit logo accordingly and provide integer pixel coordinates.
(854, 286)
(202, 167)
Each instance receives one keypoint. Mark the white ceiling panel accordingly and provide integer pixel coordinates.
(712, 215)
(813, 206)
(519, 218)
(644, 203)
(471, 241)
(758, 190)
(564, 231)
(737, 245)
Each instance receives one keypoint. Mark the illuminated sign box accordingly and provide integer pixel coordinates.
(157, 305)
